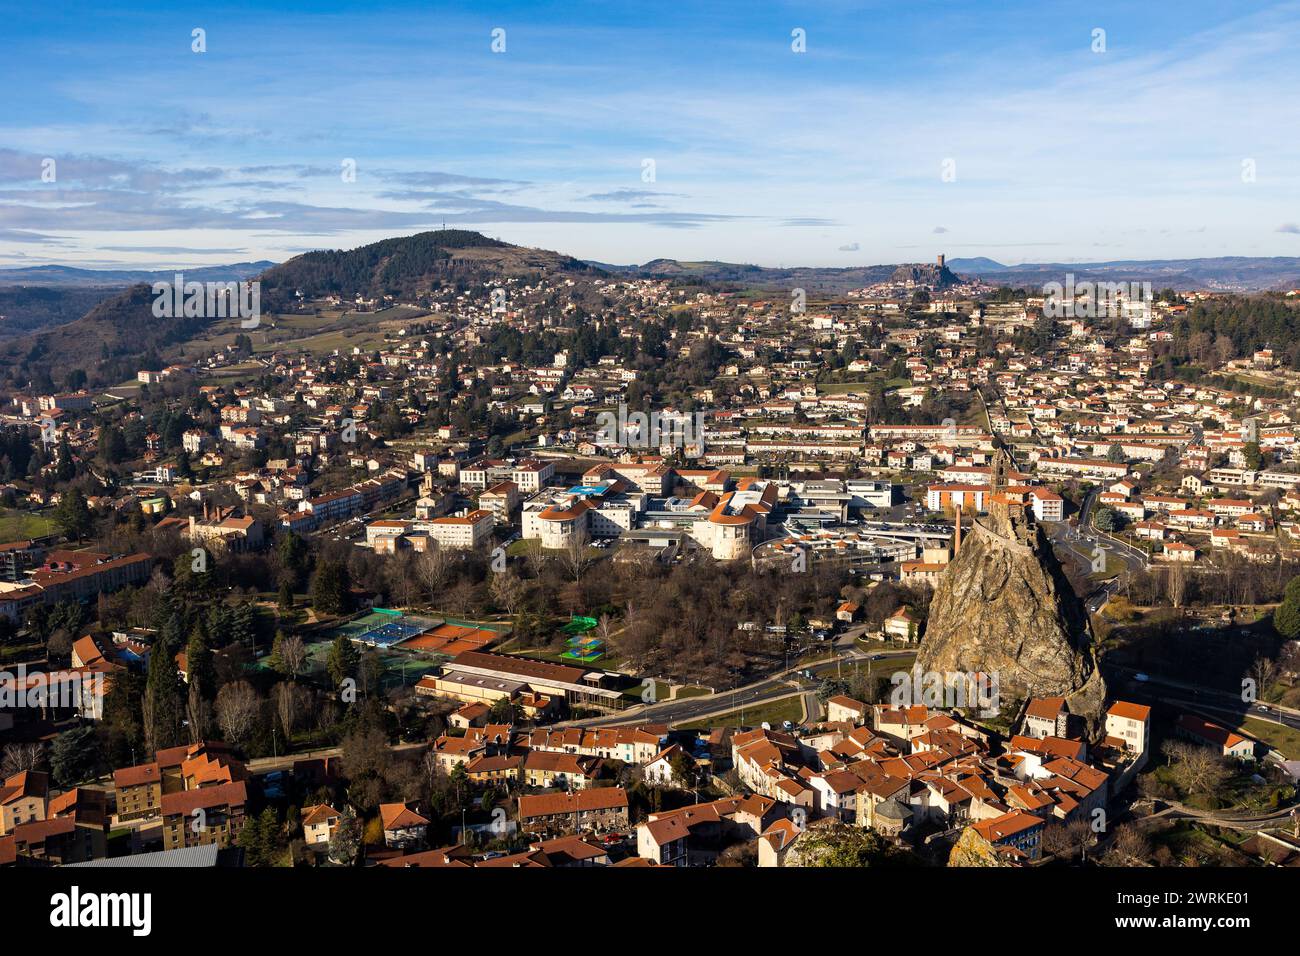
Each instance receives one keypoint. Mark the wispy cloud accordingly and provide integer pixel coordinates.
(242, 147)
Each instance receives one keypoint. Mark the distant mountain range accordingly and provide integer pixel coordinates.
(44, 297)
(813, 278)
(60, 318)
(109, 340)
(1225, 273)
(58, 277)
(1228, 273)
(406, 265)
(462, 250)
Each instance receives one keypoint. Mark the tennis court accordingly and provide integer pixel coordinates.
(397, 669)
(452, 639)
(403, 670)
(385, 628)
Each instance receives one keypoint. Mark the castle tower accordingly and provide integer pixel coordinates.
(998, 509)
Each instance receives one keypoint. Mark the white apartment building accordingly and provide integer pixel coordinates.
(1129, 726)
(468, 530)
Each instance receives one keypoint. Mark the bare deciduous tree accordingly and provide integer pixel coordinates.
(398, 573)
(20, 757)
(198, 713)
(1195, 769)
(433, 568)
(293, 655)
(1263, 671)
(461, 598)
(238, 707)
(287, 697)
(1177, 584)
(1129, 847)
(1289, 658)
(605, 628)
(507, 590)
(537, 555)
(1067, 838)
(576, 557)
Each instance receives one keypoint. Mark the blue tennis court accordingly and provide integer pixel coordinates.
(382, 628)
(388, 634)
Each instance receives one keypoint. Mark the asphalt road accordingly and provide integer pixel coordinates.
(776, 687)
(1082, 544)
(1200, 697)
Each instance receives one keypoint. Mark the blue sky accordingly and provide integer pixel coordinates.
(836, 156)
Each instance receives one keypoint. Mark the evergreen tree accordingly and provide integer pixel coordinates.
(262, 839)
(1286, 619)
(162, 700)
(67, 468)
(198, 658)
(291, 553)
(243, 625)
(343, 660)
(112, 445)
(331, 587)
(73, 514)
(75, 756)
(346, 841)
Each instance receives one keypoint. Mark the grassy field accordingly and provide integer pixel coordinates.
(774, 713)
(332, 329)
(843, 388)
(20, 652)
(22, 525)
(609, 662)
(342, 339)
(1113, 567)
(1283, 739)
(885, 666)
(862, 386)
(636, 695)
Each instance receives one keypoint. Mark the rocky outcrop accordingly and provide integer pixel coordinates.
(971, 849)
(1004, 608)
(926, 274)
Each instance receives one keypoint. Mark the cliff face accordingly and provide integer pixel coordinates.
(1004, 607)
(929, 274)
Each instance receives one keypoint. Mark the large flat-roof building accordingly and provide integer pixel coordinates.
(482, 676)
